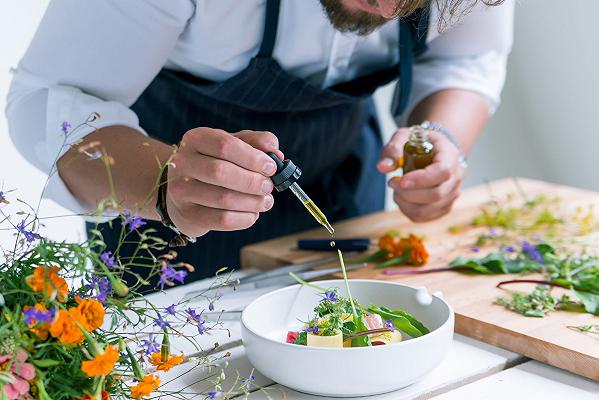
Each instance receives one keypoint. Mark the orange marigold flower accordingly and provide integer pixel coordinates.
(418, 253)
(156, 360)
(92, 313)
(46, 279)
(41, 330)
(102, 364)
(144, 387)
(64, 327)
(388, 242)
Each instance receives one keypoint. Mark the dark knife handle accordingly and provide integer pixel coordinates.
(355, 244)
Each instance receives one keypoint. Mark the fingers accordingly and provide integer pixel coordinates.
(425, 196)
(393, 152)
(225, 174)
(443, 167)
(224, 146)
(265, 141)
(426, 212)
(195, 192)
(212, 219)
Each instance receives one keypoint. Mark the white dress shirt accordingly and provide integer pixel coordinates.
(99, 56)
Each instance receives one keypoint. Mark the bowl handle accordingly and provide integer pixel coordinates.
(424, 298)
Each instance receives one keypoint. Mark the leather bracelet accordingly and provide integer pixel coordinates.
(180, 238)
(433, 126)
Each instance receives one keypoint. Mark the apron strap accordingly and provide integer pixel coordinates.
(413, 31)
(271, 22)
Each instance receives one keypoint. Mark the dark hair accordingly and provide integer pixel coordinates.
(449, 10)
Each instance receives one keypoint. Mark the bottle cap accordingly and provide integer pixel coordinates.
(287, 173)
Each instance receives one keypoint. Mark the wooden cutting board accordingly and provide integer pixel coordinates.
(472, 296)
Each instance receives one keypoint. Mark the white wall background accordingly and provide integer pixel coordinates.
(547, 126)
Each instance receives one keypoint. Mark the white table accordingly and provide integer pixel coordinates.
(471, 370)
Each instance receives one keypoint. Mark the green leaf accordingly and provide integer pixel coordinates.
(419, 325)
(590, 301)
(302, 339)
(46, 363)
(402, 323)
(394, 261)
(360, 341)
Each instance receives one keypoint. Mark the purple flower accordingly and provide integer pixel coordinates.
(171, 309)
(30, 316)
(532, 252)
(134, 221)
(108, 259)
(169, 274)
(150, 345)
(211, 306)
(3, 198)
(65, 127)
(202, 327)
(33, 316)
(313, 329)
(198, 319)
(492, 231)
(474, 249)
(508, 249)
(102, 285)
(193, 314)
(161, 322)
(389, 324)
(213, 393)
(248, 381)
(29, 235)
(330, 296)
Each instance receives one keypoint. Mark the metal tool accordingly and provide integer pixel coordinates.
(352, 244)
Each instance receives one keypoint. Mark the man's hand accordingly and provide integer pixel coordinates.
(220, 181)
(425, 194)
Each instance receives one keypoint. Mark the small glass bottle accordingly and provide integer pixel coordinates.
(418, 152)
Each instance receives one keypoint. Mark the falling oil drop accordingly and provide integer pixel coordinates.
(332, 243)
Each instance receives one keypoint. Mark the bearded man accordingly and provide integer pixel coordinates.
(228, 81)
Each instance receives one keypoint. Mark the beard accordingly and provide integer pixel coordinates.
(356, 21)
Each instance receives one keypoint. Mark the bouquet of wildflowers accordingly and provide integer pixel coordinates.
(72, 329)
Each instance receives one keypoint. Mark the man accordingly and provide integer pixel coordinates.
(229, 80)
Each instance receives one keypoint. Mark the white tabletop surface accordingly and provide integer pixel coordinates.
(471, 370)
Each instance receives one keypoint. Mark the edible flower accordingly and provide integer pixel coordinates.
(145, 387)
(166, 365)
(150, 345)
(330, 296)
(65, 328)
(30, 236)
(213, 393)
(313, 329)
(134, 221)
(102, 364)
(16, 385)
(38, 318)
(108, 259)
(389, 324)
(394, 249)
(532, 252)
(46, 280)
(92, 313)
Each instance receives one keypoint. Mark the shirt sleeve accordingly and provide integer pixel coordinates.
(471, 55)
(86, 57)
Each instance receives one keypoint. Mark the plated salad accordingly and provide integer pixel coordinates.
(343, 322)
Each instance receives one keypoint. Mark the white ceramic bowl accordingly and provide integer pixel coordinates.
(348, 372)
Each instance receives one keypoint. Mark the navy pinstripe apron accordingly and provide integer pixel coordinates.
(331, 133)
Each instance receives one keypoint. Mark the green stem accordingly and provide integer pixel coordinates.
(351, 300)
(303, 282)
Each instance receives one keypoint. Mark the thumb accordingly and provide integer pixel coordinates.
(391, 156)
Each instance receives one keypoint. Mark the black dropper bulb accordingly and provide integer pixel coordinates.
(287, 173)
